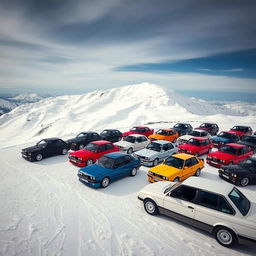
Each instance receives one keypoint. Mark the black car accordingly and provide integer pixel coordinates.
(212, 128)
(249, 141)
(183, 128)
(242, 174)
(111, 135)
(82, 139)
(45, 148)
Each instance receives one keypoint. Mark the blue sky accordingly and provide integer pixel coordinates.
(64, 46)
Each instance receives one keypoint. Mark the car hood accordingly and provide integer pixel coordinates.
(74, 140)
(158, 137)
(222, 155)
(236, 169)
(147, 152)
(204, 128)
(156, 188)
(165, 170)
(124, 144)
(185, 137)
(250, 144)
(32, 149)
(81, 153)
(95, 170)
(239, 133)
(129, 133)
(189, 147)
(219, 139)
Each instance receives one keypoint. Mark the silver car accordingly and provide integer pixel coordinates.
(155, 152)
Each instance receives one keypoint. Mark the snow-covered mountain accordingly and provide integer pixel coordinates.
(8, 104)
(114, 108)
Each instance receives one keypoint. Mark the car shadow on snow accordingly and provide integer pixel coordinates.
(53, 160)
(244, 249)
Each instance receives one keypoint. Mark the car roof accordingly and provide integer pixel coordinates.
(101, 142)
(137, 135)
(210, 185)
(235, 145)
(244, 126)
(182, 123)
(199, 130)
(207, 123)
(115, 155)
(161, 142)
(87, 132)
(183, 156)
(140, 126)
(110, 130)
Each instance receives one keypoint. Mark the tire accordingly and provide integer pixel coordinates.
(151, 207)
(105, 182)
(129, 151)
(39, 157)
(177, 179)
(89, 162)
(225, 236)
(133, 172)
(64, 151)
(198, 172)
(81, 146)
(244, 182)
(156, 162)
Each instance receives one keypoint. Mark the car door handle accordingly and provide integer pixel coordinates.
(190, 207)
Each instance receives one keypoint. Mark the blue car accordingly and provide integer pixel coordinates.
(224, 138)
(110, 167)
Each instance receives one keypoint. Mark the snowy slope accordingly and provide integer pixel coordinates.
(6, 106)
(65, 116)
(45, 210)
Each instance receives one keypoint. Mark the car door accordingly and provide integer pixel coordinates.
(50, 149)
(101, 151)
(179, 203)
(137, 144)
(188, 169)
(124, 166)
(211, 208)
(164, 153)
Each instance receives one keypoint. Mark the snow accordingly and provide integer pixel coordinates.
(45, 210)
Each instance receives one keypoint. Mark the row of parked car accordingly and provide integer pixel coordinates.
(193, 200)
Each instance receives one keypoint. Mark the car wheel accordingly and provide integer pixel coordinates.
(177, 179)
(105, 182)
(39, 157)
(225, 236)
(244, 181)
(156, 161)
(133, 171)
(64, 151)
(151, 207)
(129, 151)
(198, 172)
(81, 146)
(89, 162)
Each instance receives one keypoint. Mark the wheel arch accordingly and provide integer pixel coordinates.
(220, 224)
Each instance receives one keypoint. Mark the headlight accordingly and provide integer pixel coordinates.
(92, 178)
(222, 161)
(80, 159)
(29, 154)
(150, 173)
(233, 175)
(165, 178)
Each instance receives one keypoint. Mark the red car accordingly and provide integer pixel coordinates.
(241, 130)
(231, 153)
(92, 152)
(196, 146)
(144, 130)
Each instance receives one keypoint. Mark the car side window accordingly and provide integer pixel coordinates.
(119, 162)
(102, 148)
(239, 151)
(95, 136)
(194, 161)
(139, 140)
(188, 163)
(143, 139)
(244, 150)
(165, 147)
(169, 146)
(58, 143)
(127, 159)
(185, 193)
(109, 146)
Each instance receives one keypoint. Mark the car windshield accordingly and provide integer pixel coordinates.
(42, 143)
(239, 128)
(195, 133)
(205, 125)
(105, 132)
(224, 135)
(240, 201)
(92, 147)
(248, 163)
(229, 150)
(174, 162)
(136, 129)
(81, 134)
(251, 139)
(154, 146)
(106, 162)
(162, 132)
(179, 126)
(194, 142)
(130, 139)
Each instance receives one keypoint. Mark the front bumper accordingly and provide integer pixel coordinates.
(27, 157)
(91, 183)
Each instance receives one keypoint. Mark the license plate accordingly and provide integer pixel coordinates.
(86, 181)
(225, 176)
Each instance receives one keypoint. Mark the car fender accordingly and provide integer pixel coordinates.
(225, 225)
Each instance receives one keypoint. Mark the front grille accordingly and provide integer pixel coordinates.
(84, 176)
(142, 157)
(74, 158)
(157, 175)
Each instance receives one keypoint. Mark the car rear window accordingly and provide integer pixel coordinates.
(240, 201)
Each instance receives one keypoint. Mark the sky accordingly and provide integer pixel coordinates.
(76, 46)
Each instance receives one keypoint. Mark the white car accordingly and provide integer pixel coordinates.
(195, 133)
(155, 152)
(219, 208)
(133, 143)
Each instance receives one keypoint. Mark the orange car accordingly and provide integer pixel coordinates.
(165, 134)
